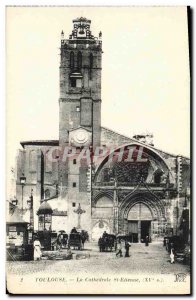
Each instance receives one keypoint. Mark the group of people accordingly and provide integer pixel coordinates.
(126, 245)
(63, 238)
(119, 248)
(60, 242)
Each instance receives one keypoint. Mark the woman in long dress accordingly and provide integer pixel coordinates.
(172, 256)
(37, 249)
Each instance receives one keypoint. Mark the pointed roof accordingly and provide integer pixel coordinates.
(45, 208)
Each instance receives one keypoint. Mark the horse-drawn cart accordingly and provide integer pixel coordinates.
(107, 243)
(75, 241)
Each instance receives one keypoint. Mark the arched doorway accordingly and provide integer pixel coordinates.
(139, 222)
(137, 179)
(102, 216)
(142, 214)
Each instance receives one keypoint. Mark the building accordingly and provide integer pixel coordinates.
(92, 177)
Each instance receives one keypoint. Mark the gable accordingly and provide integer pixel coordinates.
(112, 138)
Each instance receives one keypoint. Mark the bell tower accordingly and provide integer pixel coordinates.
(79, 118)
(80, 86)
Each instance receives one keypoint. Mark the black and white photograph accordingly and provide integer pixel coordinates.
(98, 163)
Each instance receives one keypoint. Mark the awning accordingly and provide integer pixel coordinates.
(16, 218)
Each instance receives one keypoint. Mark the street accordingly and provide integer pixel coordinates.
(147, 270)
(153, 259)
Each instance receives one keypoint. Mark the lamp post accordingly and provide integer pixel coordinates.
(30, 205)
(22, 182)
(30, 200)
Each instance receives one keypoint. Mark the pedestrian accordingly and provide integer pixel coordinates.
(127, 246)
(74, 230)
(37, 249)
(146, 240)
(172, 256)
(100, 243)
(105, 234)
(65, 239)
(119, 248)
(167, 244)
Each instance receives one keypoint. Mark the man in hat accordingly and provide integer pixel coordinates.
(119, 248)
(127, 246)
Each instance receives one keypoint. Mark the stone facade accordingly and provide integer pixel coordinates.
(98, 194)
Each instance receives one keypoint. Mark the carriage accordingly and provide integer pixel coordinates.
(59, 241)
(107, 243)
(75, 241)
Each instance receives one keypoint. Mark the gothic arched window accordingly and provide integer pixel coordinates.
(157, 176)
(72, 60)
(90, 65)
(79, 60)
(32, 161)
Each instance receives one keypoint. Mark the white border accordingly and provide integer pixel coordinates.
(3, 4)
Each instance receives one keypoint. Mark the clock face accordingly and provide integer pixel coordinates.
(81, 136)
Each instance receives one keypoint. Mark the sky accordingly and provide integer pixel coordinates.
(145, 72)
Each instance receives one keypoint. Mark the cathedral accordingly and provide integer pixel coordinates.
(92, 177)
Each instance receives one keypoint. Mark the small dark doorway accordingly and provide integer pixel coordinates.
(133, 231)
(145, 230)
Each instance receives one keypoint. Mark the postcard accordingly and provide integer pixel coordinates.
(98, 150)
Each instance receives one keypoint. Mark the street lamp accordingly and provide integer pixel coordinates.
(30, 200)
(30, 205)
(22, 182)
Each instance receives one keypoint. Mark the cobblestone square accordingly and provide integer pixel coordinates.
(153, 259)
